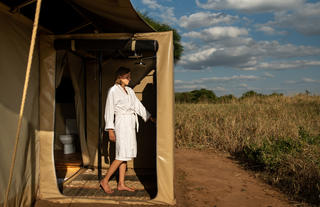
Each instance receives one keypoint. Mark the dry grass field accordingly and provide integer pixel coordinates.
(277, 136)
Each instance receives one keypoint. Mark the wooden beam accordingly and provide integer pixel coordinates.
(105, 45)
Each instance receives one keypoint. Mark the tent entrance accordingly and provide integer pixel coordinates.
(88, 67)
(68, 159)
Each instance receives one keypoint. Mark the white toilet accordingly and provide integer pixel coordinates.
(68, 138)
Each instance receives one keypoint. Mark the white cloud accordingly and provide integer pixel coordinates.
(290, 82)
(240, 56)
(198, 57)
(244, 85)
(304, 20)
(165, 13)
(187, 46)
(152, 4)
(266, 29)
(217, 79)
(217, 33)
(277, 50)
(168, 16)
(178, 81)
(268, 75)
(297, 14)
(269, 30)
(224, 82)
(202, 55)
(231, 78)
(251, 5)
(297, 64)
(249, 55)
(192, 86)
(219, 89)
(302, 81)
(205, 19)
(309, 80)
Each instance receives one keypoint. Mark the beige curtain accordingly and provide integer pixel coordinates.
(76, 69)
(61, 64)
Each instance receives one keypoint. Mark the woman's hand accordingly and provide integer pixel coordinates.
(112, 135)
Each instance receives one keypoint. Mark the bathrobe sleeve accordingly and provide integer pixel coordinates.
(140, 109)
(109, 111)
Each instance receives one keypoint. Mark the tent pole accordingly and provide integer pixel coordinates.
(100, 112)
(24, 96)
(85, 97)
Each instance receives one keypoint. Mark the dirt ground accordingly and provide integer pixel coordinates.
(214, 179)
(211, 179)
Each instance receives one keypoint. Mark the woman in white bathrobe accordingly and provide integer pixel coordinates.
(122, 108)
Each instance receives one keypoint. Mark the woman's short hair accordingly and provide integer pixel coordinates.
(120, 72)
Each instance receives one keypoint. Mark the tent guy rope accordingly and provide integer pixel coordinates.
(24, 95)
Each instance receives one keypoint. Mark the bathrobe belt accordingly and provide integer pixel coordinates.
(131, 113)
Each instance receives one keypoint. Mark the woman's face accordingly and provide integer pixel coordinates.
(125, 79)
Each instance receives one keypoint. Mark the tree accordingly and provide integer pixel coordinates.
(250, 94)
(203, 95)
(227, 99)
(160, 27)
(184, 97)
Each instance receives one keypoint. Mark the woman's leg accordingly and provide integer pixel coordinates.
(104, 182)
(122, 171)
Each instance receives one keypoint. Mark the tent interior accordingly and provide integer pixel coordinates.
(80, 101)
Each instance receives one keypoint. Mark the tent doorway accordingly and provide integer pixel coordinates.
(67, 149)
(85, 75)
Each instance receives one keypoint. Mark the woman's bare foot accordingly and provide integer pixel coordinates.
(123, 187)
(105, 187)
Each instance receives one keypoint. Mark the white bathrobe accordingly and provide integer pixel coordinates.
(121, 115)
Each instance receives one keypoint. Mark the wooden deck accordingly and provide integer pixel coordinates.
(85, 184)
(76, 181)
(67, 165)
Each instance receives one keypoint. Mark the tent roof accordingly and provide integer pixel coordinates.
(83, 16)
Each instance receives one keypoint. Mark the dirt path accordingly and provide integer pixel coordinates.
(209, 179)
(212, 179)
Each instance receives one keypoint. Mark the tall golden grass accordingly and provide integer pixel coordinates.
(278, 134)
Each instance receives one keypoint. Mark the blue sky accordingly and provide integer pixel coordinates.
(233, 46)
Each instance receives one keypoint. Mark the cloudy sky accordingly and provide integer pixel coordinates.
(232, 46)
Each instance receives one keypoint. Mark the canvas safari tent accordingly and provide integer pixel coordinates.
(83, 42)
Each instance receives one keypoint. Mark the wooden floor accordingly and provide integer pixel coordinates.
(86, 184)
(67, 165)
(76, 181)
